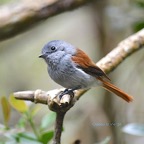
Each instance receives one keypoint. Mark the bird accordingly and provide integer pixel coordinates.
(73, 69)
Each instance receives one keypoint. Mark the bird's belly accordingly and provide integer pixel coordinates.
(72, 78)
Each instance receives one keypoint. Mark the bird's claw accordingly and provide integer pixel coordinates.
(67, 91)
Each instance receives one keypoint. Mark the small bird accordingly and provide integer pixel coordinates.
(71, 68)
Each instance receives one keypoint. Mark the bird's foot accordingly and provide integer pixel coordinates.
(67, 91)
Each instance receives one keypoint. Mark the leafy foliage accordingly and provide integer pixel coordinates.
(6, 110)
(139, 3)
(139, 24)
(18, 134)
(18, 104)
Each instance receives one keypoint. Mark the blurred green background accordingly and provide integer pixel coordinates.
(96, 28)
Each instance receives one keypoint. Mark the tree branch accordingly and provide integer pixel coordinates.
(108, 63)
(17, 18)
(58, 127)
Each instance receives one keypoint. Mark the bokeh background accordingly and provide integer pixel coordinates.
(96, 28)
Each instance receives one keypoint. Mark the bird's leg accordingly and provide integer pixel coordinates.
(63, 93)
(68, 91)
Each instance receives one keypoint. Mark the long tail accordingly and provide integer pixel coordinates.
(112, 88)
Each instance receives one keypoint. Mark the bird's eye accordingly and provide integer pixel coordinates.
(53, 48)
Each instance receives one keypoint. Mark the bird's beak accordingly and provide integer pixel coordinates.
(42, 56)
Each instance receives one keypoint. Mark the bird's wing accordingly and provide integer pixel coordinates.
(83, 62)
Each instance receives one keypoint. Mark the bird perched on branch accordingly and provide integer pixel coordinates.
(70, 67)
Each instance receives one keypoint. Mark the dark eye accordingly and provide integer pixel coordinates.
(53, 48)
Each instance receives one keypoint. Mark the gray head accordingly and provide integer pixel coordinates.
(57, 48)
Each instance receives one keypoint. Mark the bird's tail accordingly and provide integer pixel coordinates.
(110, 87)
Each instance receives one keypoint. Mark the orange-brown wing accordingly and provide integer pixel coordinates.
(87, 65)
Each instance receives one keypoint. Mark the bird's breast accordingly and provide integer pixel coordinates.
(69, 76)
(65, 72)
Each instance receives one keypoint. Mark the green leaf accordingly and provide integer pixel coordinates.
(26, 138)
(105, 141)
(134, 129)
(27, 135)
(48, 120)
(22, 122)
(19, 105)
(139, 3)
(138, 26)
(35, 110)
(6, 110)
(46, 137)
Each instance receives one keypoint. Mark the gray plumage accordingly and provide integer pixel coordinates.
(57, 54)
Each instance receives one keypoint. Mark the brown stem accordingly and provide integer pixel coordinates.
(58, 127)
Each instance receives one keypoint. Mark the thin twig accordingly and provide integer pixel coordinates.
(33, 126)
(124, 49)
(58, 127)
